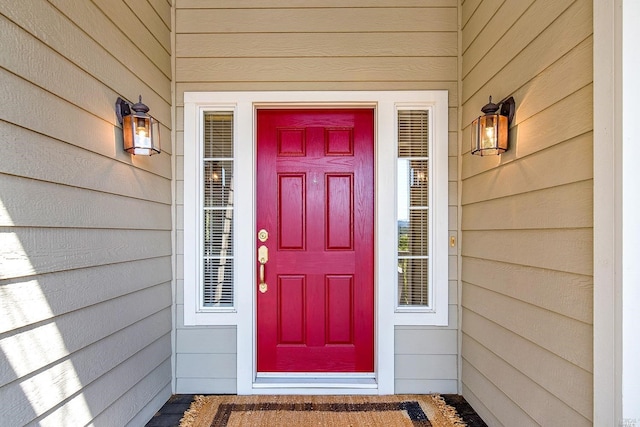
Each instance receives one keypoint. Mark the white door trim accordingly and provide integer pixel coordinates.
(244, 105)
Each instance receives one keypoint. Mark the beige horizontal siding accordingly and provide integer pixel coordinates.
(567, 294)
(85, 228)
(565, 163)
(482, 384)
(437, 367)
(565, 250)
(425, 340)
(568, 118)
(562, 206)
(553, 88)
(527, 216)
(279, 45)
(46, 250)
(426, 359)
(91, 132)
(468, 11)
(528, 60)
(316, 69)
(49, 295)
(148, 412)
(74, 166)
(55, 351)
(26, 198)
(163, 9)
(567, 382)
(211, 340)
(145, 390)
(545, 121)
(51, 389)
(95, 120)
(106, 59)
(159, 30)
(533, 323)
(499, 15)
(251, 45)
(203, 365)
(527, 28)
(318, 20)
(27, 56)
(119, 13)
(206, 359)
(510, 413)
(207, 385)
(543, 407)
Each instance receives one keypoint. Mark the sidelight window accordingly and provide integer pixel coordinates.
(421, 216)
(217, 210)
(413, 208)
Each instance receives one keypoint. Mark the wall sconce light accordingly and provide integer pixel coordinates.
(140, 131)
(490, 133)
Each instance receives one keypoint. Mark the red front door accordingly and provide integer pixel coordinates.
(315, 308)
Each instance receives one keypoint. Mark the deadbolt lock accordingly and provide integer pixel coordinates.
(263, 235)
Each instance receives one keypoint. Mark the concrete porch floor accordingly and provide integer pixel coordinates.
(171, 413)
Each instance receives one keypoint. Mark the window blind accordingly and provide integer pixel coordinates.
(413, 208)
(217, 205)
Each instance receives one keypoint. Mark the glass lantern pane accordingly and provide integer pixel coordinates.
(127, 132)
(503, 134)
(489, 132)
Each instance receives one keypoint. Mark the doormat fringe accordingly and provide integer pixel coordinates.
(394, 410)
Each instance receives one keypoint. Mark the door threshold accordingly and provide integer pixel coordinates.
(315, 384)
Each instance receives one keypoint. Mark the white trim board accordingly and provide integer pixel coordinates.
(616, 203)
(386, 103)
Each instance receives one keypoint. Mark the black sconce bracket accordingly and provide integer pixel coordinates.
(508, 108)
(123, 108)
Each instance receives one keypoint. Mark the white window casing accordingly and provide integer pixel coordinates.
(421, 209)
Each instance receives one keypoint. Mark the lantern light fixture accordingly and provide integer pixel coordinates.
(490, 132)
(140, 131)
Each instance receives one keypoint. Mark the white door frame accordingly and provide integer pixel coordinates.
(386, 103)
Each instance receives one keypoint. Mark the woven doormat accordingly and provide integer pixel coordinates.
(290, 411)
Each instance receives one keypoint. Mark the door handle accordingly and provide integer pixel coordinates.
(263, 257)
